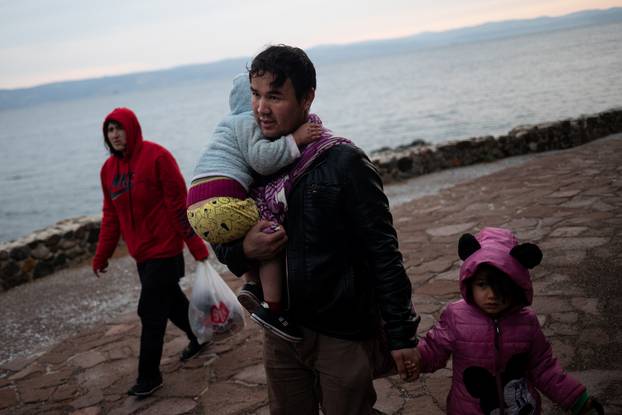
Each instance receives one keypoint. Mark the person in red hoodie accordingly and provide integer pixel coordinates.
(145, 203)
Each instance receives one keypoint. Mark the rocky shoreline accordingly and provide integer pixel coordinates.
(46, 251)
(421, 158)
(72, 241)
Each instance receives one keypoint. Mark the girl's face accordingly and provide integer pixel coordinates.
(484, 297)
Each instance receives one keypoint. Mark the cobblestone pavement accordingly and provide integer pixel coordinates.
(568, 202)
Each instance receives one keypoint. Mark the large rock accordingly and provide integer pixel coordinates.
(40, 252)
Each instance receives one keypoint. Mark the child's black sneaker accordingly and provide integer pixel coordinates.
(251, 297)
(276, 324)
(193, 349)
(145, 387)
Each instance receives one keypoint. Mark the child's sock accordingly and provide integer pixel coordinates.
(275, 306)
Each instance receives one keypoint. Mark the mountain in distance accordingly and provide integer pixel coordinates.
(59, 91)
(486, 31)
(111, 85)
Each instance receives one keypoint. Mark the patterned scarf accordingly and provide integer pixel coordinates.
(270, 193)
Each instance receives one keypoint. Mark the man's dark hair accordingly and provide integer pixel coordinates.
(501, 284)
(285, 62)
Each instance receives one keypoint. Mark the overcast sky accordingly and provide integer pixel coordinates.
(44, 41)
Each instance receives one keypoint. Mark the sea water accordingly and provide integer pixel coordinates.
(52, 153)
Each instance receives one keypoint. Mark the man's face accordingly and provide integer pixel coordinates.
(116, 137)
(276, 109)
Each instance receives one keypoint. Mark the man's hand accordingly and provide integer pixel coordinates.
(408, 363)
(100, 271)
(260, 244)
(99, 266)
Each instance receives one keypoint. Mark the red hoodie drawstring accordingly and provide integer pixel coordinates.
(129, 185)
(129, 190)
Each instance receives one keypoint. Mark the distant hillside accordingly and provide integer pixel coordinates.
(60, 91)
(486, 31)
(15, 98)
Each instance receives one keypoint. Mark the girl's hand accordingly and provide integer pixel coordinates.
(307, 133)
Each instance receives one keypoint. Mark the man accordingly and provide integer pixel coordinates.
(145, 202)
(344, 273)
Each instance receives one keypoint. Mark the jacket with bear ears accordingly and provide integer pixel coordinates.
(467, 334)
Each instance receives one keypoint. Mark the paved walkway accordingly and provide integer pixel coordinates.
(569, 202)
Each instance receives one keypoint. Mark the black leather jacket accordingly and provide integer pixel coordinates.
(344, 269)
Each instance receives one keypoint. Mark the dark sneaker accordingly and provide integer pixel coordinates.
(193, 349)
(145, 387)
(251, 297)
(276, 324)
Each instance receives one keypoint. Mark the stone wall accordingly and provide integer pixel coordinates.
(421, 158)
(72, 241)
(43, 252)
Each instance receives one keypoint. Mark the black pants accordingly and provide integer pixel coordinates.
(161, 299)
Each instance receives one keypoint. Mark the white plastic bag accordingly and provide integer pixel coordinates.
(214, 309)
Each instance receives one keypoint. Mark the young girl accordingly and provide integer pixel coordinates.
(499, 352)
(219, 208)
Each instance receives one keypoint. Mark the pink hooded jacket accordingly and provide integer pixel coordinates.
(505, 358)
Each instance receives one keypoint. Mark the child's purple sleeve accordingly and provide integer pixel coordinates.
(547, 374)
(436, 346)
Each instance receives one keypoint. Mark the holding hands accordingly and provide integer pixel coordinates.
(408, 363)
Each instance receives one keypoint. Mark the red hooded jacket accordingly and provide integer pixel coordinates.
(144, 200)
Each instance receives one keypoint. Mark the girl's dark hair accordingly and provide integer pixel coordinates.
(286, 62)
(106, 142)
(502, 285)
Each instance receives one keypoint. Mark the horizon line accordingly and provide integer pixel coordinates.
(321, 45)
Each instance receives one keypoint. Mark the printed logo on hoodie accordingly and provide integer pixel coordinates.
(120, 184)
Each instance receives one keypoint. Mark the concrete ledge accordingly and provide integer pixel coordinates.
(43, 252)
(421, 158)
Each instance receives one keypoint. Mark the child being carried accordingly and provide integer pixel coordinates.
(220, 209)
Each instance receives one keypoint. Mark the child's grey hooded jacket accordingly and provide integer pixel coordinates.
(237, 147)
